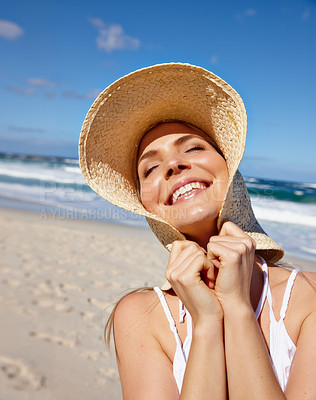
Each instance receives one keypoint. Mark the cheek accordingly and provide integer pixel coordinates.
(222, 182)
(222, 172)
(149, 194)
(214, 164)
(217, 167)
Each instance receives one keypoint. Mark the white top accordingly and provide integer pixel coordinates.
(282, 349)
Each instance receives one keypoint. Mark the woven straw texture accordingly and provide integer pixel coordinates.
(124, 111)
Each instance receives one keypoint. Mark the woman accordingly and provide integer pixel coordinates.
(166, 142)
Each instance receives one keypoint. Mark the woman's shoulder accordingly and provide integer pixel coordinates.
(303, 292)
(138, 304)
(306, 289)
(143, 305)
(140, 316)
(279, 276)
(132, 321)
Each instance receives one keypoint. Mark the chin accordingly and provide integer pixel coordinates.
(196, 222)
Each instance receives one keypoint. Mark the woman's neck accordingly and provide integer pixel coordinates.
(202, 235)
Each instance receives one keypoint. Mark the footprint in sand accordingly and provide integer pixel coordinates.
(91, 355)
(100, 284)
(54, 339)
(13, 283)
(87, 315)
(91, 318)
(47, 303)
(70, 287)
(18, 375)
(101, 304)
(49, 288)
(109, 373)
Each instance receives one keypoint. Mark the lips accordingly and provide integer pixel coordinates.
(186, 190)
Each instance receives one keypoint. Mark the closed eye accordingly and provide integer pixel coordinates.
(195, 148)
(149, 170)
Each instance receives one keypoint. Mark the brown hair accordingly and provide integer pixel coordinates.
(205, 135)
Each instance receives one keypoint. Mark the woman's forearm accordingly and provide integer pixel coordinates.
(249, 371)
(205, 375)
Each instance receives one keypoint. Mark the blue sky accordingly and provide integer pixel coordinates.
(57, 55)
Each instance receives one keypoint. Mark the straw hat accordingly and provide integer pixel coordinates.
(123, 113)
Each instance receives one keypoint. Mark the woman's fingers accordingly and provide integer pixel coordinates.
(181, 255)
(192, 277)
(218, 252)
(208, 274)
(188, 263)
(178, 272)
(181, 248)
(234, 259)
(242, 246)
(246, 238)
(232, 237)
(230, 229)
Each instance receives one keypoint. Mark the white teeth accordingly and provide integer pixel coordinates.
(183, 190)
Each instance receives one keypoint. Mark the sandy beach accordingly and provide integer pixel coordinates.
(59, 281)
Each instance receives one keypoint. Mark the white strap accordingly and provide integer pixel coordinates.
(168, 315)
(286, 297)
(264, 267)
(287, 293)
(271, 313)
(181, 312)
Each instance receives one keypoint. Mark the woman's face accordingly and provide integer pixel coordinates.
(183, 179)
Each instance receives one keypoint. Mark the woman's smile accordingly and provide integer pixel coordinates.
(185, 190)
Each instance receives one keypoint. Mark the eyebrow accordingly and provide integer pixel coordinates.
(178, 142)
(149, 154)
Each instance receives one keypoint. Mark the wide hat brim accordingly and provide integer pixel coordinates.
(124, 111)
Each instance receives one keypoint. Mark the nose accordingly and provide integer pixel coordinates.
(174, 166)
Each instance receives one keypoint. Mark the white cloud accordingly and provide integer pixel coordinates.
(93, 94)
(21, 91)
(10, 30)
(305, 14)
(112, 37)
(39, 82)
(49, 95)
(97, 22)
(24, 129)
(73, 94)
(214, 60)
(250, 12)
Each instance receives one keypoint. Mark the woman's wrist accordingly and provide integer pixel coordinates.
(238, 310)
(208, 327)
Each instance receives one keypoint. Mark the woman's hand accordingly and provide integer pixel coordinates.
(232, 252)
(191, 276)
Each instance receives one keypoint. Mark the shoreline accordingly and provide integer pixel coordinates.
(59, 282)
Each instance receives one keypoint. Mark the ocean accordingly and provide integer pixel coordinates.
(54, 187)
